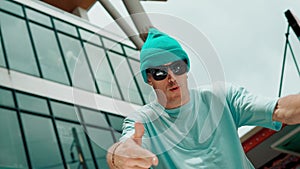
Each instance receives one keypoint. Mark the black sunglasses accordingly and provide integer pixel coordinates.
(161, 72)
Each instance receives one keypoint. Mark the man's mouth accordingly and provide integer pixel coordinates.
(174, 88)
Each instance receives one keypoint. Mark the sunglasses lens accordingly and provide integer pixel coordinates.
(159, 74)
(179, 67)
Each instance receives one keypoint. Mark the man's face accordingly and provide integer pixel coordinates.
(170, 84)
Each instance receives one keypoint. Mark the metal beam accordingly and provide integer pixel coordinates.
(138, 16)
(137, 41)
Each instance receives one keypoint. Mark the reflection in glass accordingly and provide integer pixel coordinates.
(77, 64)
(132, 52)
(102, 71)
(12, 153)
(65, 27)
(118, 135)
(6, 98)
(64, 111)
(112, 45)
(145, 88)
(101, 141)
(41, 141)
(38, 17)
(17, 44)
(11, 7)
(94, 117)
(71, 145)
(116, 122)
(49, 55)
(33, 104)
(125, 78)
(90, 36)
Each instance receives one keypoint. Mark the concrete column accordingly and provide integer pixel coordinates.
(82, 13)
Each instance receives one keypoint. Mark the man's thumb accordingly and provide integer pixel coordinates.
(139, 132)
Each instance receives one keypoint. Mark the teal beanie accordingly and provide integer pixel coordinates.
(158, 49)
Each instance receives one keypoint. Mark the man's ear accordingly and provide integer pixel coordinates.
(149, 80)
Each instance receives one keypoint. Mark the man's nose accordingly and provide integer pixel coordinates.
(171, 76)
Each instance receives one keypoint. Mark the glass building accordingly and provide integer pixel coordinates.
(65, 88)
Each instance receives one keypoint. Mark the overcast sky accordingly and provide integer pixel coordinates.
(248, 37)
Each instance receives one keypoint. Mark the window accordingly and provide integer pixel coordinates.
(77, 64)
(94, 117)
(6, 98)
(125, 78)
(65, 27)
(65, 111)
(11, 7)
(72, 138)
(102, 71)
(133, 53)
(118, 135)
(17, 44)
(101, 141)
(116, 122)
(90, 37)
(2, 60)
(38, 17)
(32, 104)
(12, 154)
(41, 141)
(112, 45)
(146, 90)
(48, 54)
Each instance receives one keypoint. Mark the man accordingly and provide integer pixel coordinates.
(194, 128)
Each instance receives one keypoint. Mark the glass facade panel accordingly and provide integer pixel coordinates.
(65, 27)
(76, 62)
(11, 7)
(116, 122)
(146, 89)
(49, 55)
(125, 79)
(12, 154)
(41, 141)
(102, 71)
(112, 45)
(17, 44)
(117, 135)
(6, 98)
(132, 52)
(38, 17)
(2, 60)
(73, 138)
(89, 36)
(94, 117)
(33, 104)
(64, 111)
(101, 141)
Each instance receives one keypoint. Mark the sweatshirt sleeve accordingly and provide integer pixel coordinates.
(249, 109)
(128, 129)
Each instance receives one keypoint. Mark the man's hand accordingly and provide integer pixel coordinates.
(288, 110)
(130, 154)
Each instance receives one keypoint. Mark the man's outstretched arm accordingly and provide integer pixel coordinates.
(130, 154)
(288, 110)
